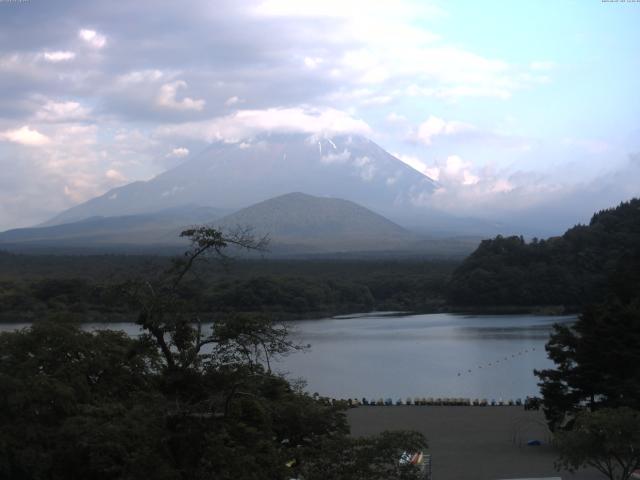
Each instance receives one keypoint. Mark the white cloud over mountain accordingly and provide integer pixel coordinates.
(434, 127)
(243, 124)
(86, 91)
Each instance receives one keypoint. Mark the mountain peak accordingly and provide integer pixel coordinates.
(319, 222)
(231, 176)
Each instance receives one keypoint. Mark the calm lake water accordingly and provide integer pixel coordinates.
(435, 355)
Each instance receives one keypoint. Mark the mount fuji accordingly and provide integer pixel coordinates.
(353, 196)
(234, 176)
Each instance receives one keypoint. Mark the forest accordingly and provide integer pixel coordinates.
(102, 405)
(90, 287)
(503, 274)
(572, 270)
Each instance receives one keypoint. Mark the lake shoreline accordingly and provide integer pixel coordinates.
(124, 317)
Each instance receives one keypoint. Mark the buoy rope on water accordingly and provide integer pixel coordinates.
(496, 362)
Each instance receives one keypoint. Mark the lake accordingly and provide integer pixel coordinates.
(434, 355)
(399, 356)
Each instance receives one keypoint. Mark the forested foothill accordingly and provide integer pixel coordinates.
(572, 270)
(598, 358)
(592, 394)
(591, 397)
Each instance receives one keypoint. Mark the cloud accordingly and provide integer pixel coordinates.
(525, 201)
(458, 170)
(417, 164)
(77, 162)
(53, 111)
(363, 165)
(435, 127)
(436, 132)
(232, 101)
(167, 98)
(430, 70)
(313, 62)
(452, 171)
(92, 38)
(394, 117)
(502, 185)
(551, 205)
(141, 76)
(115, 176)
(588, 145)
(367, 168)
(95, 92)
(342, 8)
(315, 53)
(462, 187)
(341, 157)
(247, 123)
(462, 91)
(25, 136)
(381, 44)
(80, 186)
(179, 152)
(59, 56)
(63, 170)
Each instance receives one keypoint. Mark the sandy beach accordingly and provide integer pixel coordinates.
(473, 443)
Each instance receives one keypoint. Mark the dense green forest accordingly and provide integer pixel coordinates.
(101, 405)
(572, 270)
(91, 286)
(592, 393)
(597, 358)
(506, 272)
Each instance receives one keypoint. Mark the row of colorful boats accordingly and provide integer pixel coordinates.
(528, 403)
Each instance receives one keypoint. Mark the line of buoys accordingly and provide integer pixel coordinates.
(496, 362)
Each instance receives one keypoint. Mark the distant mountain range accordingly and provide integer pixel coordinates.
(295, 223)
(158, 228)
(354, 198)
(233, 176)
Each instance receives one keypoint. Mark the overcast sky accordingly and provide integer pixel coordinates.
(509, 105)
